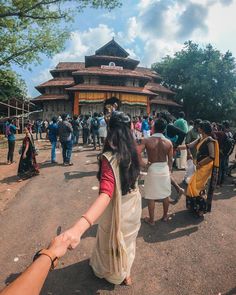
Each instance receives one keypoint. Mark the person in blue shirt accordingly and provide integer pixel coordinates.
(52, 136)
(145, 127)
(11, 138)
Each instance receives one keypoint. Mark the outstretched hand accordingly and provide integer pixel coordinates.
(59, 245)
(72, 236)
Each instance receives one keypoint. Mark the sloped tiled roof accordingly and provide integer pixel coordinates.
(57, 82)
(50, 97)
(89, 87)
(73, 66)
(148, 72)
(155, 87)
(111, 72)
(167, 102)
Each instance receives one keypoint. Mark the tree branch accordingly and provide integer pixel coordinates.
(22, 13)
(16, 54)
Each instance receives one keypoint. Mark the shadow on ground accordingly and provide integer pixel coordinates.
(227, 191)
(78, 174)
(231, 292)
(10, 179)
(77, 278)
(175, 228)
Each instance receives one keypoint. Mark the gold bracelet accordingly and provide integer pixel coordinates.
(86, 218)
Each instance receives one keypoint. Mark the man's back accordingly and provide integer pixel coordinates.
(64, 131)
(158, 149)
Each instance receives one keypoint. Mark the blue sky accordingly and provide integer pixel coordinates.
(147, 29)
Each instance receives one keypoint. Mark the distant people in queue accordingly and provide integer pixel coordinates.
(65, 132)
(118, 204)
(76, 128)
(52, 133)
(157, 185)
(28, 166)
(95, 125)
(102, 131)
(38, 129)
(197, 200)
(10, 130)
(85, 129)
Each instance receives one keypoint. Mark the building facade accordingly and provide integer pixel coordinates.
(106, 77)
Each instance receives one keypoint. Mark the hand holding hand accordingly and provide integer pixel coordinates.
(59, 245)
(73, 236)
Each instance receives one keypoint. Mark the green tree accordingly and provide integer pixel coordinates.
(204, 80)
(29, 28)
(11, 85)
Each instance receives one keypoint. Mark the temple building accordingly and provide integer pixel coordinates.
(106, 77)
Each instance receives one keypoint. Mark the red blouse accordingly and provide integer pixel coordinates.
(107, 181)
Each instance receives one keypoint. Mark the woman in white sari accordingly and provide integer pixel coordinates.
(118, 204)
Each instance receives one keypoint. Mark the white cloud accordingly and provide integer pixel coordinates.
(158, 26)
(132, 28)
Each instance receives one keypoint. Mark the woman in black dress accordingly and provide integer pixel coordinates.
(28, 166)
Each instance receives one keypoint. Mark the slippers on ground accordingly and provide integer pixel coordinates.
(147, 220)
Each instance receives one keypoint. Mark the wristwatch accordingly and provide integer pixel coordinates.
(46, 252)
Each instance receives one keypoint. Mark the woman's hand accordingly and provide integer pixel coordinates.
(73, 235)
(59, 245)
(24, 156)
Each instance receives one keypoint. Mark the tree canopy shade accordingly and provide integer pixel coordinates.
(11, 85)
(31, 27)
(204, 80)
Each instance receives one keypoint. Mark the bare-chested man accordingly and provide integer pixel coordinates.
(157, 185)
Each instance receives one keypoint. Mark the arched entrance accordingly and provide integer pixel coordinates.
(111, 101)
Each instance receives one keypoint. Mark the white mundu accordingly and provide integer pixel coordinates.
(157, 185)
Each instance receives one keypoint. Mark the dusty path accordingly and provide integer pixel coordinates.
(182, 257)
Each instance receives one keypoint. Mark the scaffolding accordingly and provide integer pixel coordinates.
(19, 109)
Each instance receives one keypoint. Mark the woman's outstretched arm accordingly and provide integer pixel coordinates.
(92, 214)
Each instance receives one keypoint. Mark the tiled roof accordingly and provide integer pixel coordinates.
(111, 72)
(148, 72)
(50, 97)
(58, 82)
(164, 102)
(125, 89)
(112, 58)
(155, 87)
(69, 66)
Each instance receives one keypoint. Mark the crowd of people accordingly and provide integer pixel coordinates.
(130, 145)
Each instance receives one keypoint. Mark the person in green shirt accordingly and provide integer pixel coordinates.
(181, 123)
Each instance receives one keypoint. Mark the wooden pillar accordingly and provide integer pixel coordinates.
(17, 122)
(16, 108)
(76, 104)
(148, 105)
(22, 121)
(8, 109)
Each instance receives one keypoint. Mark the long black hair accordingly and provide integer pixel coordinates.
(120, 141)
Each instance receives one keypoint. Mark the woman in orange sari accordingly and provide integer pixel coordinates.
(207, 164)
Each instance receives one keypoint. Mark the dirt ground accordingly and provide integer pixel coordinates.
(185, 256)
